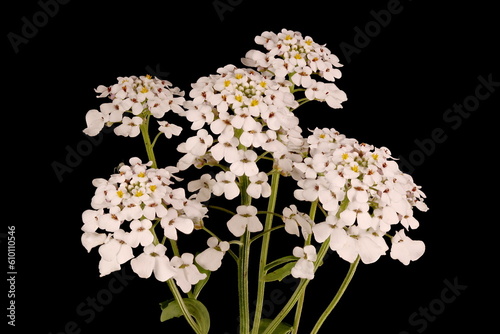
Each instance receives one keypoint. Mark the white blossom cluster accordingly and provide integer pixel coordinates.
(124, 210)
(289, 54)
(242, 110)
(364, 194)
(240, 116)
(134, 99)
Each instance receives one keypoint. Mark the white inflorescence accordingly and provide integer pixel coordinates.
(240, 116)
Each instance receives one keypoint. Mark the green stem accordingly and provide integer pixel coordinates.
(261, 285)
(184, 309)
(156, 138)
(244, 259)
(340, 292)
(175, 249)
(221, 209)
(243, 265)
(261, 234)
(298, 292)
(147, 140)
(300, 304)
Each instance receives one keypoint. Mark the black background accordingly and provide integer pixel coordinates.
(399, 86)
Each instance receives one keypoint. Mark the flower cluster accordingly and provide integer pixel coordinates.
(290, 54)
(244, 125)
(364, 194)
(133, 100)
(244, 110)
(125, 210)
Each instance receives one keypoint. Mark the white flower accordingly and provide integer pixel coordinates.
(204, 185)
(356, 211)
(383, 218)
(140, 233)
(226, 184)
(153, 260)
(211, 258)
(199, 115)
(246, 217)
(294, 219)
(198, 145)
(258, 186)
(367, 244)
(304, 268)
(187, 273)
(405, 249)
(302, 77)
(226, 148)
(310, 190)
(153, 208)
(111, 221)
(114, 252)
(90, 220)
(176, 198)
(129, 127)
(169, 129)
(245, 164)
(252, 135)
(92, 239)
(95, 122)
(331, 228)
(173, 222)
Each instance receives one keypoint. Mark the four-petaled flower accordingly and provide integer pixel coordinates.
(186, 274)
(211, 258)
(153, 260)
(246, 218)
(304, 268)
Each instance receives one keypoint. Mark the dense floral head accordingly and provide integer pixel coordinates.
(291, 54)
(124, 208)
(133, 100)
(363, 192)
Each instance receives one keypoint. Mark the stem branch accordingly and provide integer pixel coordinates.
(338, 295)
(264, 250)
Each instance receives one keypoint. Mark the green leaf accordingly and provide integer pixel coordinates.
(280, 273)
(171, 309)
(279, 261)
(283, 328)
